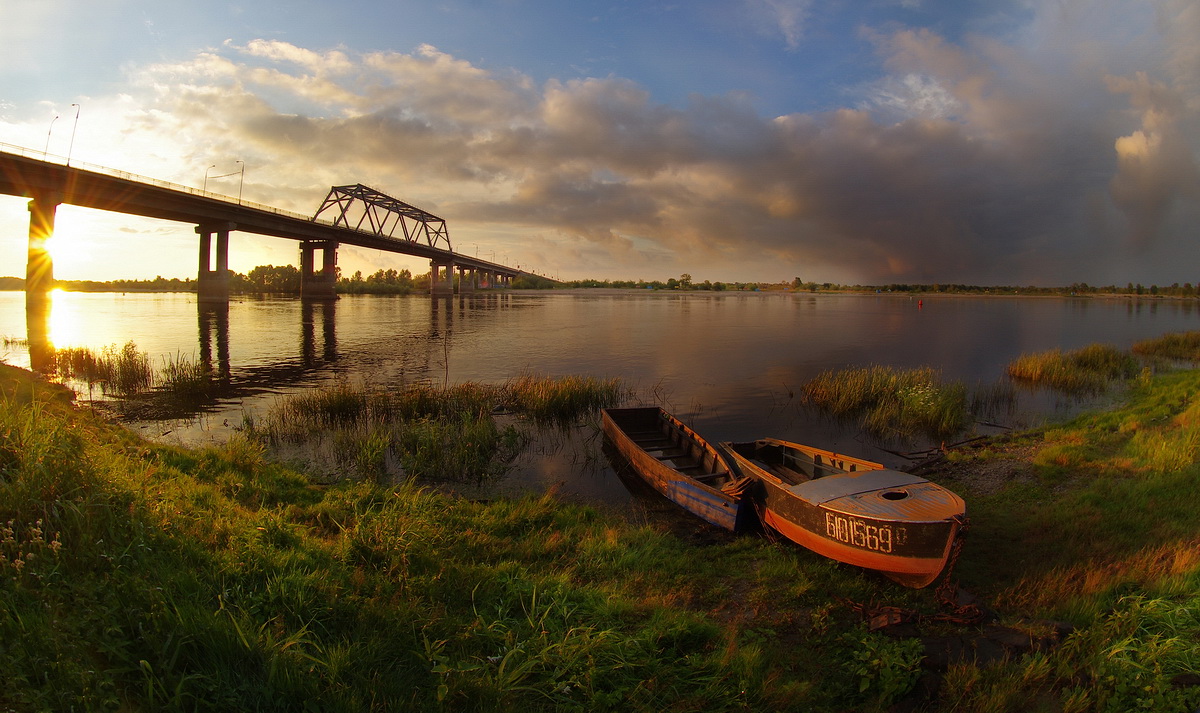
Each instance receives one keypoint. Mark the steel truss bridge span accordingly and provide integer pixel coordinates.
(49, 182)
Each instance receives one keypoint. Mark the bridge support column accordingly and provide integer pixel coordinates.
(466, 280)
(212, 285)
(322, 284)
(441, 278)
(39, 268)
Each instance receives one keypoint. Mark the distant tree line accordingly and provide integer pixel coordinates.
(383, 282)
(158, 284)
(685, 282)
(264, 279)
(1077, 288)
(285, 279)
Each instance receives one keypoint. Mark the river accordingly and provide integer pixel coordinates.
(730, 364)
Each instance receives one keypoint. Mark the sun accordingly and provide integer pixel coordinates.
(67, 245)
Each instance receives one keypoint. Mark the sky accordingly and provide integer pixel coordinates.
(988, 142)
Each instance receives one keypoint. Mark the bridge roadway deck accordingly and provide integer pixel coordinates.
(106, 189)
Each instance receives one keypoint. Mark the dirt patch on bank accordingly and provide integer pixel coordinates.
(985, 467)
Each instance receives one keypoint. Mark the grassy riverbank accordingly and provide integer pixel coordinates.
(139, 576)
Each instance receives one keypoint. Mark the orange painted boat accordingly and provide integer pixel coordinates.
(853, 510)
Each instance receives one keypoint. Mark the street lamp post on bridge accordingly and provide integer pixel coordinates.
(47, 149)
(75, 126)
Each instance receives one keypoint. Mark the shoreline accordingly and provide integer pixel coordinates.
(664, 292)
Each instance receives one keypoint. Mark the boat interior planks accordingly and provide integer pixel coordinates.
(679, 464)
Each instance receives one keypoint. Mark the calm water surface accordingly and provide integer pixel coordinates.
(728, 363)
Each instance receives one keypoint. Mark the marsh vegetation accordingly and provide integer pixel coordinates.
(1179, 346)
(179, 579)
(127, 371)
(143, 576)
(1088, 370)
(906, 403)
(429, 432)
(889, 401)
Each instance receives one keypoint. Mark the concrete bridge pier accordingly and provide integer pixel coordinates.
(39, 268)
(466, 280)
(213, 285)
(318, 284)
(441, 278)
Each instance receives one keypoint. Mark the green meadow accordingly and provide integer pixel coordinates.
(137, 576)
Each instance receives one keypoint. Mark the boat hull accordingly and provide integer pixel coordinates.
(679, 464)
(910, 553)
(896, 523)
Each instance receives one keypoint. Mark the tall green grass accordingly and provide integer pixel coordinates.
(127, 371)
(564, 399)
(892, 402)
(156, 578)
(185, 377)
(124, 372)
(1097, 528)
(1090, 369)
(424, 431)
(1183, 346)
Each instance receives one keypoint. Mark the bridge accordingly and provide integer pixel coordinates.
(349, 215)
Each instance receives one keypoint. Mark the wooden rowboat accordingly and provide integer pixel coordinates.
(853, 510)
(681, 465)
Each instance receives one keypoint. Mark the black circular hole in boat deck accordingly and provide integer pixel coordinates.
(895, 495)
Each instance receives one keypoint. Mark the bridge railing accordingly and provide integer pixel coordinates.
(117, 173)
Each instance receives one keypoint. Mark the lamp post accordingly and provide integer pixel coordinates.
(242, 180)
(204, 186)
(73, 127)
(48, 136)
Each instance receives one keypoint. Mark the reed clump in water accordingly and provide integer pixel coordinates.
(186, 378)
(122, 372)
(1088, 370)
(563, 399)
(890, 401)
(425, 431)
(1183, 346)
(129, 372)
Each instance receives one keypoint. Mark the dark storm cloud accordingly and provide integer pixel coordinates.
(979, 162)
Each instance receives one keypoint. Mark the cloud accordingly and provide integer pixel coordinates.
(1156, 166)
(786, 17)
(273, 50)
(969, 161)
(910, 95)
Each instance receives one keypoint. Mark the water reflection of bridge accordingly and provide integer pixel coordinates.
(315, 354)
